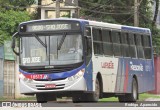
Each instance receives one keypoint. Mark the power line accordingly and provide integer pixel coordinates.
(105, 12)
(109, 6)
(37, 6)
(98, 11)
(128, 18)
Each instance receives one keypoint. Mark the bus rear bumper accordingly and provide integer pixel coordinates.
(33, 87)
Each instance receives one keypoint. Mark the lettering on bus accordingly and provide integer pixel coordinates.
(48, 27)
(37, 76)
(31, 60)
(136, 67)
(147, 68)
(109, 65)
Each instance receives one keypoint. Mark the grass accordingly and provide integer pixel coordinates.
(142, 97)
(26, 98)
(19, 99)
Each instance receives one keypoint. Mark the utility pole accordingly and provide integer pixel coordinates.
(57, 8)
(136, 12)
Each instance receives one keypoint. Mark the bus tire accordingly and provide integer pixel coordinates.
(89, 97)
(94, 97)
(78, 99)
(131, 97)
(41, 98)
(134, 95)
(45, 97)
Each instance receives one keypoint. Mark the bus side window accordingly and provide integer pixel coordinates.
(140, 51)
(147, 46)
(88, 44)
(87, 31)
(116, 43)
(107, 44)
(124, 44)
(146, 41)
(132, 46)
(97, 41)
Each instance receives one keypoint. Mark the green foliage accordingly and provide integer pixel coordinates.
(15, 4)
(120, 12)
(22, 2)
(9, 23)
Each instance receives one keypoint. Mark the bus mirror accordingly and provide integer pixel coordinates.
(13, 45)
(88, 37)
(87, 31)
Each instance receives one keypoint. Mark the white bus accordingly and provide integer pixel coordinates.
(85, 60)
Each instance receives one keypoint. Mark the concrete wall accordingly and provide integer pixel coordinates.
(157, 75)
(1, 77)
(1, 70)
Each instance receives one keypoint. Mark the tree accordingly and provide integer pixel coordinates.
(9, 23)
(15, 4)
(122, 12)
(155, 13)
(22, 4)
(38, 12)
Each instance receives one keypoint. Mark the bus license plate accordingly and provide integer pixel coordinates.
(50, 86)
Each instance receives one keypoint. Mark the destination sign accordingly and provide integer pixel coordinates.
(49, 26)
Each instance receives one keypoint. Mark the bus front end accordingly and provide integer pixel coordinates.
(51, 59)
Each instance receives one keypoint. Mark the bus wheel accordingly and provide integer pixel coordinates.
(41, 98)
(134, 94)
(132, 97)
(89, 97)
(78, 99)
(94, 97)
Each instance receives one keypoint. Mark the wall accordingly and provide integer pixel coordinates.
(1, 77)
(9, 79)
(1, 70)
(157, 75)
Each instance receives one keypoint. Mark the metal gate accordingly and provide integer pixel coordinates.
(9, 79)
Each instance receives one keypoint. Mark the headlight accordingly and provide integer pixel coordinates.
(77, 76)
(21, 76)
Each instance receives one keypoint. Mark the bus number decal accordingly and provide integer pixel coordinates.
(31, 60)
(136, 67)
(109, 65)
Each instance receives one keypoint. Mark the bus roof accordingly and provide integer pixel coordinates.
(100, 24)
(120, 27)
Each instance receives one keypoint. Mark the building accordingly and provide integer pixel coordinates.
(68, 8)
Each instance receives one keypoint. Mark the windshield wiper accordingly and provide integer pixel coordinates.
(61, 41)
(41, 42)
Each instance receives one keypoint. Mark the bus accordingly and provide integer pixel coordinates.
(82, 59)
